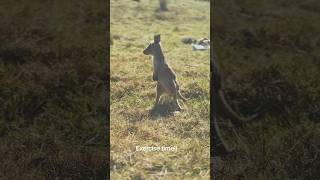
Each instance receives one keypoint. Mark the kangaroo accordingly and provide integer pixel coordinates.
(163, 73)
(221, 107)
(219, 146)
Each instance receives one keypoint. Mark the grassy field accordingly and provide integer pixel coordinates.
(133, 91)
(268, 52)
(53, 57)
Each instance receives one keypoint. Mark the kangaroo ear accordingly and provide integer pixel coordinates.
(157, 38)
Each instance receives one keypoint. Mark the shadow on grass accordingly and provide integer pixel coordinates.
(165, 109)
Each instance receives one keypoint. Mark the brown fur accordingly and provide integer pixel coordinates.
(163, 73)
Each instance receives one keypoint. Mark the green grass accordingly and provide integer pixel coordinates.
(133, 91)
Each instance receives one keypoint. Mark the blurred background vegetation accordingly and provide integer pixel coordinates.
(269, 55)
(53, 79)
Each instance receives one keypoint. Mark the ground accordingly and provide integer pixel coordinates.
(53, 58)
(268, 53)
(133, 91)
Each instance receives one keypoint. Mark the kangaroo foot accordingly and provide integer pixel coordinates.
(178, 108)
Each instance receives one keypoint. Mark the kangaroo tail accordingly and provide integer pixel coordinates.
(178, 92)
(224, 107)
(181, 97)
(177, 85)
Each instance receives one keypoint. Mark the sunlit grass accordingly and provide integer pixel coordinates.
(133, 91)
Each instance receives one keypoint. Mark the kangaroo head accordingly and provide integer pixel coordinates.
(154, 47)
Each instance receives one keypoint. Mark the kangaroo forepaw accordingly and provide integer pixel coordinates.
(155, 78)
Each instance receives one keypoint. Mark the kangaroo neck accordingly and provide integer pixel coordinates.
(158, 57)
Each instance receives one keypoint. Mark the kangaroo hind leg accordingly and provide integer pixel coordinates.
(159, 93)
(173, 86)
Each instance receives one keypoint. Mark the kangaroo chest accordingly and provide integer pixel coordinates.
(156, 64)
(160, 67)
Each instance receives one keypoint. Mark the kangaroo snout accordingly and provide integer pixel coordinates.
(145, 52)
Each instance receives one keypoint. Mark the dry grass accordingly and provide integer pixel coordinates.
(133, 91)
